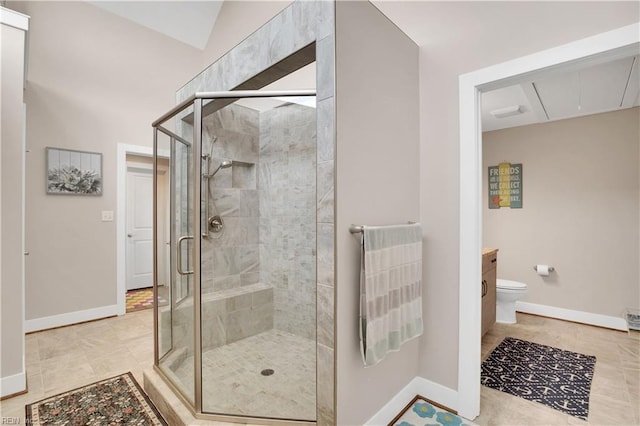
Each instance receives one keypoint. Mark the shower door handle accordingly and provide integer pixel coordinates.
(179, 255)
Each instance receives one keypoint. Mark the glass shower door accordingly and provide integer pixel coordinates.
(175, 302)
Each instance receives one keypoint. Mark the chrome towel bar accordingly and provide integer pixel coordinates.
(357, 229)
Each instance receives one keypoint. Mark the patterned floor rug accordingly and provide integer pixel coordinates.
(118, 400)
(422, 413)
(139, 299)
(554, 377)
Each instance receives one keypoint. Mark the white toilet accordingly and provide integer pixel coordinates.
(507, 294)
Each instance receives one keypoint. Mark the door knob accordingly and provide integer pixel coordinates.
(129, 235)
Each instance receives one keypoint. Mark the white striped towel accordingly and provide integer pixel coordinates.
(390, 289)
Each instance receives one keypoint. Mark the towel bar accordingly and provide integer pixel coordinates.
(357, 229)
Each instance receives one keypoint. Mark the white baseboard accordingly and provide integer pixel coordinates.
(13, 384)
(418, 386)
(69, 318)
(571, 315)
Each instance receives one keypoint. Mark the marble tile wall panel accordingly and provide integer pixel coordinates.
(325, 365)
(234, 132)
(288, 200)
(231, 258)
(249, 203)
(326, 195)
(325, 63)
(326, 262)
(249, 278)
(235, 314)
(225, 201)
(298, 25)
(326, 129)
(243, 175)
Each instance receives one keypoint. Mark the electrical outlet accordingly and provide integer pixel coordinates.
(107, 215)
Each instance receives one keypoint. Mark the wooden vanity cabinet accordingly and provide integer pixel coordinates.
(489, 277)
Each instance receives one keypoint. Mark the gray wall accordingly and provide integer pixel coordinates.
(377, 183)
(11, 211)
(580, 211)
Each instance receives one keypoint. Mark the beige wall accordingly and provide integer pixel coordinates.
(377, 183)
(95, 80)
(580, 211)
(11, 198)
(461, 37)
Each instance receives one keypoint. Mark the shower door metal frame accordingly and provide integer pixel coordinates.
(198, 101)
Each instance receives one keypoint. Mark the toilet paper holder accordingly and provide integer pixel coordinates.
(551, 268)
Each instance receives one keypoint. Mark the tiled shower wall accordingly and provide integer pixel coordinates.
(287, 184)
(231, 258)
(259, 272)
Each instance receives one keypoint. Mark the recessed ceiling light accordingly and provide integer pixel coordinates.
(507, 112)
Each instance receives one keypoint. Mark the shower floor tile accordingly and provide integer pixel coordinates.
(233, 383)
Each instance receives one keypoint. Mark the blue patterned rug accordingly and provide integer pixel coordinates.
(422, 413)
(556, 378)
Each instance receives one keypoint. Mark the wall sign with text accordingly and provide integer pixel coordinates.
(505, 186)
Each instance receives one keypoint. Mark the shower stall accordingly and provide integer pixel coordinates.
(235, 268)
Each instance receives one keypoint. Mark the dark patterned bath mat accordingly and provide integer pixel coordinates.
(115, 401)
(554, 377)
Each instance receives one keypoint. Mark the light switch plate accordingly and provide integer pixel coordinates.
(107, 215)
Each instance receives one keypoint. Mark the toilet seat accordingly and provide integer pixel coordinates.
(510, 285)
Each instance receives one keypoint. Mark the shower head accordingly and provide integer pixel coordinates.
(225, 164)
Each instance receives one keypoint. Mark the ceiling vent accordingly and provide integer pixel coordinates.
(507, 112)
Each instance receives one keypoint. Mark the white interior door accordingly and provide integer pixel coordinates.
(139, 250)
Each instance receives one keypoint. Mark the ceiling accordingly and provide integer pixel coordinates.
(558, 95)
(590, 89)
(190, 22)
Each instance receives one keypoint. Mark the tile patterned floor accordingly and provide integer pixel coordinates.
(69, 357)
(233, 383)
(615, 390)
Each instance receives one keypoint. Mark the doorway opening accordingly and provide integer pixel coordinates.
(139, 230)
(605, 47)
(134, 217)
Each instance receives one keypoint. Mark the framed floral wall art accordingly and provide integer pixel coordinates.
(71, 172)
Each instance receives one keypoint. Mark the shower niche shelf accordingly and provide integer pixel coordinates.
(243, 175)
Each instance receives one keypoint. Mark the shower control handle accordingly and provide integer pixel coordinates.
(179, 255)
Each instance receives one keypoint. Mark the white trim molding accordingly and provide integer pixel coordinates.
(14, 19)
(121, 197)
(611, 45)
(418, 386)
(69, 318)
(13, 384)
(599, 320)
